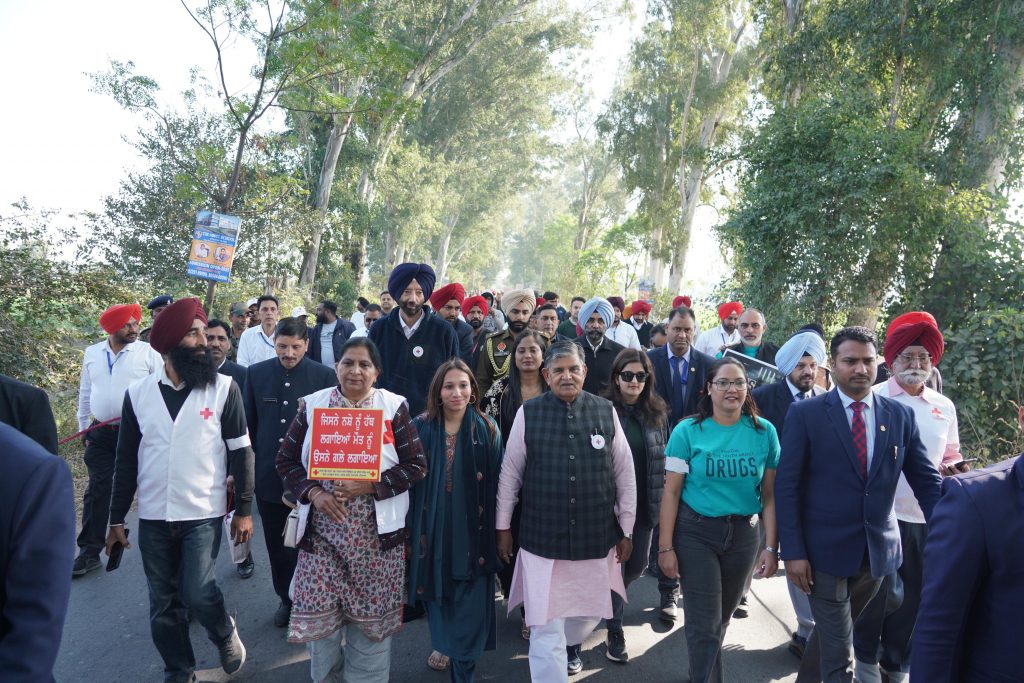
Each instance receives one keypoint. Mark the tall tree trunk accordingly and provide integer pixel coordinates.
(342, 124)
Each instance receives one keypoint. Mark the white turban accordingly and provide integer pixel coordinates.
(799, 345)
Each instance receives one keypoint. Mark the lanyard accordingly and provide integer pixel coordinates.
(264, 338)
(112, 363)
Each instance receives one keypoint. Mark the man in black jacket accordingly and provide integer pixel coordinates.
(752, 328)
(328, 328)
(27, 409)
(272, 392)
(596, 316)
(679, 375)
(798, 359)
(218, 340)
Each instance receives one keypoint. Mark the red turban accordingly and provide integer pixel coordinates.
(452, 290)
(730, 308)
(472, 301)
(118, 315)
(541, 301)
(917, 328)
(173, 324)
(682, 301)
(641, 306)
(617, 302)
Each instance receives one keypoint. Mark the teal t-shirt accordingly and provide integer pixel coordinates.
(726, 464)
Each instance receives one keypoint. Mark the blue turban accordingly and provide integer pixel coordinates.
(404, 273)
(601, 306)
(801, 344)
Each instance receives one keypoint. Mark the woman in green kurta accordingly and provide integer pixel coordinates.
(451, 520)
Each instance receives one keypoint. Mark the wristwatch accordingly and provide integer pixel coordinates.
(629, 536)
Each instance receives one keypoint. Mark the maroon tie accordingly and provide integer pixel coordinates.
(860, 437)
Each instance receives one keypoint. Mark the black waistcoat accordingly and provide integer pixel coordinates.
(568, 493)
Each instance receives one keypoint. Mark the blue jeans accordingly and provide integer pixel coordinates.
(179, 560)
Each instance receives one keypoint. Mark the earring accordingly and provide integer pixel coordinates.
(472, 399)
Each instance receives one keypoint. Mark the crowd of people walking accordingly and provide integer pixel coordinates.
(551, 455)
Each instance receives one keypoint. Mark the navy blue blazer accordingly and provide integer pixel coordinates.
(464, 331)
(37, 544)
(235, 372)
(773, 402)
(827, 513)
(342, 331)
(969, 626)
(699, 363)
(270, 397)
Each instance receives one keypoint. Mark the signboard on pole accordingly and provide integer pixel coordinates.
(213, 246)
(759, 373)
(346, 444)
(643, 291)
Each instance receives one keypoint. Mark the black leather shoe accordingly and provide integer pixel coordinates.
(282, 615)
(246, 568)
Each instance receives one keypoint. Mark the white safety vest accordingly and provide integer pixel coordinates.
(390, 511)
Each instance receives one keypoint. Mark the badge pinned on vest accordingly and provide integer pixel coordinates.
(417, 351)
(597, 441)
(501, 348)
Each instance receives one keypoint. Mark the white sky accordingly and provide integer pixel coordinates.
(62, 145)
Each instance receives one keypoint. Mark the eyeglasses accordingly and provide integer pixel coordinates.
(910, 359)
(724, 384)
(628, 376)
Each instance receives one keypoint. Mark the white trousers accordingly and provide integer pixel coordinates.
(548, 661)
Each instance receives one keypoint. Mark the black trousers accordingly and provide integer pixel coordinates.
(282, 559)
(100, 450)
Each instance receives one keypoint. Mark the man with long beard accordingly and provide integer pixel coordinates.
(180, 429)
(496, 354)
(412, 342)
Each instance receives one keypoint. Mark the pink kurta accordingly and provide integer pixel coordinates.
(553, 589)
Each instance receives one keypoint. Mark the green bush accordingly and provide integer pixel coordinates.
(983, 373)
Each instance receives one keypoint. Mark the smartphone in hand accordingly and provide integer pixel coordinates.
(116, 551)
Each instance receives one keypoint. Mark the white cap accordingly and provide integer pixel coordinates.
(298, 311)
(251, 302)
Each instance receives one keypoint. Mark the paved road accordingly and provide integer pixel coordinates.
(106, 637)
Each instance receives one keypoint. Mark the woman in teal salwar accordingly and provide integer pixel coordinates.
(451, 520)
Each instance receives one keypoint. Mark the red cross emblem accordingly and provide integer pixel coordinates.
(206, 413)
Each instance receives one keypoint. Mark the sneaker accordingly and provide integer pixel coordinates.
(668, 607)
(232, 652)
(246, 567)
(797, 645)
(85, 564)
(573, 655)
(616, 646)
(282, 615)
(741, 611)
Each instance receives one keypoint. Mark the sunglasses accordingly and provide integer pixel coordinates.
(628, 376)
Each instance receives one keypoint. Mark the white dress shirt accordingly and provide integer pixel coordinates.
(936, 421)
(106, 376)
(624, 334)
(254, 346)
(868, 413)
(711, 341)
(406, 329)
(357, 319)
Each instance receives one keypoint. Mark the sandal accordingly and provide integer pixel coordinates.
(438, 661)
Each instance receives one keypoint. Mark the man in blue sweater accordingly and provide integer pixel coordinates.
(412, 342)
